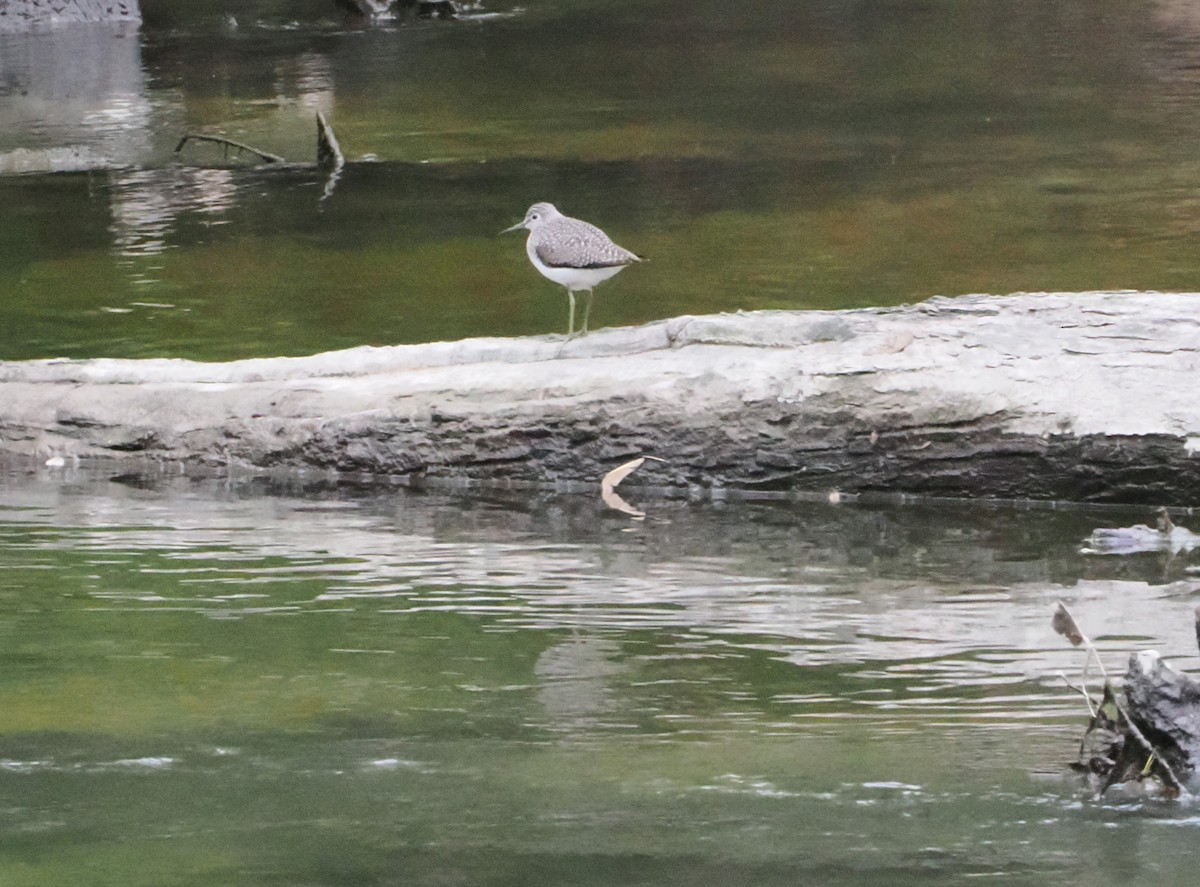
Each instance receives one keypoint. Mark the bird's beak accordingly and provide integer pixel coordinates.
(515, 227)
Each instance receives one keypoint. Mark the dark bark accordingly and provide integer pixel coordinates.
(1165, 706)
(329, 152)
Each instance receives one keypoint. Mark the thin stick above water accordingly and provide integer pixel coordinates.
(228, 143)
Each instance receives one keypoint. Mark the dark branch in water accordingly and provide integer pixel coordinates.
(329, 153)
(1156, 762)
(1152, 733)
(228, 143)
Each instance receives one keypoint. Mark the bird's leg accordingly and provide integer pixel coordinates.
(587, 309)
(571, 316)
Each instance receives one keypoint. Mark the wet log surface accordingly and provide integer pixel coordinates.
(1079, 396)
(1165, 706)
(24, 15)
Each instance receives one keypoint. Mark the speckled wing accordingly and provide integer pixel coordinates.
(571, 243)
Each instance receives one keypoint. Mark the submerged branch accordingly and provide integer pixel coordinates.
(228, 143)
(329, 152)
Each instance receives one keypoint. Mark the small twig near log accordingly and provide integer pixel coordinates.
(1064, 623)
(228, 143)
(1082, 691)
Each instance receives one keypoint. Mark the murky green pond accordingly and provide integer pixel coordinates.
(769, 153)
(245, 684)
(250, 683)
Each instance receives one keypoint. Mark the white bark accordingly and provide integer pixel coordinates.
(1086, 396)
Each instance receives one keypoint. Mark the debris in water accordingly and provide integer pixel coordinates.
(608, 486)
(1163, 536)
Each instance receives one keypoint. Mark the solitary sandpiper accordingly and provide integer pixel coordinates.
(571, 252)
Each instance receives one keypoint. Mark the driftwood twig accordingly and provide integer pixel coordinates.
(1064, 623)
(228, 143)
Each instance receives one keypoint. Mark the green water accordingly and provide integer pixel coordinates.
(230, 684)
(253, 683)
(760, 154)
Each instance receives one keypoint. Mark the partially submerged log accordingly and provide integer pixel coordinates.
(71, 66)
(1165, 706)
(1087, 397)
(1164, 536)
(391, 9)
(27, 15)
(1155, 733)
(1115, 750)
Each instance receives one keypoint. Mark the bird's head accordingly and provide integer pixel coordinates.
(538, 214)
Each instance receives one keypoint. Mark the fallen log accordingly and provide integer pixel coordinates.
(376, 10)
(70, 65)
(1076, 396)
(29, 15)
(1140, 538)
(1165, 706)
